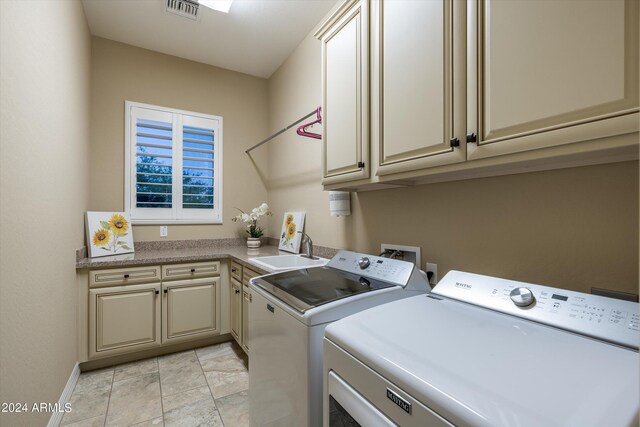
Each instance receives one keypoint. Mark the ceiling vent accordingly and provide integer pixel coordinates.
(185, 8)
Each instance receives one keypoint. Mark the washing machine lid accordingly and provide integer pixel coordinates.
(475, 366)
(308, 288)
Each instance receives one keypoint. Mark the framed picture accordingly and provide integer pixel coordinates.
(108, 233)
(290, 239)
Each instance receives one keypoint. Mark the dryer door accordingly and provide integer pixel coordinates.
(348, 408)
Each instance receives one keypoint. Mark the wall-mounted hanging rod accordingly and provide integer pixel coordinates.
(264, 141)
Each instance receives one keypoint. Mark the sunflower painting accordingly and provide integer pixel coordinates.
(290, 237)
(108, 233)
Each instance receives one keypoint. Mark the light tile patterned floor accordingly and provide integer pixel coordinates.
(203, 387)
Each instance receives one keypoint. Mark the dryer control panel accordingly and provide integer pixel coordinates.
(607, 319)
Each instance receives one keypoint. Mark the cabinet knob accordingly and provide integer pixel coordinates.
(454, 142)
(126, 276)
(361, 165)
(157, 291)
(193, 270)
(234, 270)
(166, 291)
(237, 291)
(471, 137)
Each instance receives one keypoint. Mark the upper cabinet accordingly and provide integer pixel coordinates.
(345, 93)
(476, 88)
(548, 73)
(417, 61)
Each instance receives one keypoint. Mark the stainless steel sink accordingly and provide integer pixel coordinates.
(287, 262)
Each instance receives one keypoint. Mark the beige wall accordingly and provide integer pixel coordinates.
(572, 228)
(44, 133)
(294, 161)
(122, 72)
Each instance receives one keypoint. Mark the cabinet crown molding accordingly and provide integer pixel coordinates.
(333, 17)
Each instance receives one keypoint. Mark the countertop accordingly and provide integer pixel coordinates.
(148, 253)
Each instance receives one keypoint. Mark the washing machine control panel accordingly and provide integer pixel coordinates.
(604, 318)
(370, 266)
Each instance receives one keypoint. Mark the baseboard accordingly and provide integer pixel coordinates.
(56, 417)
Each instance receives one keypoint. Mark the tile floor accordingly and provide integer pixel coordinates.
(203, 387)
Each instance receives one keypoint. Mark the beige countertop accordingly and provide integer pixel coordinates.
(148, 253)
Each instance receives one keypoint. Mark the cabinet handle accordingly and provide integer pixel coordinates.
(157, 291)
(126, 276)
(237, 291)
(193, 270)
(454, 142)
(234, 270)
(361, 165)
(166, 291)
(471, 137)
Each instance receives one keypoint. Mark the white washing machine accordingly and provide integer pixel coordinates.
(287, 317)
(482, 351)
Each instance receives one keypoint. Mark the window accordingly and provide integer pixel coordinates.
(173, 170)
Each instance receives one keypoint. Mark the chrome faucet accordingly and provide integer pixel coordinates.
(307, 245)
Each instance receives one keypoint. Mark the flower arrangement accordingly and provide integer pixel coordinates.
(251, 219)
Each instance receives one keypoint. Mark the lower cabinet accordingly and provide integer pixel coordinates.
(236, 310)
(181, 306)
(246, 298)
(240, 299)
(247, 274)
(124, 319)
(189, 309)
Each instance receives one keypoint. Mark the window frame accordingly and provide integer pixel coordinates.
(176, 214)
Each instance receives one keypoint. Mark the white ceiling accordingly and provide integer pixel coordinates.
(254, 38)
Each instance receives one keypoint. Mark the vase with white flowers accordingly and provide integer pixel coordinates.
(251, 221)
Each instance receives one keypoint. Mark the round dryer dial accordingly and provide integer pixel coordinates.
(522, 297)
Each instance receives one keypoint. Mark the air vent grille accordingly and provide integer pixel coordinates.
(186, 8)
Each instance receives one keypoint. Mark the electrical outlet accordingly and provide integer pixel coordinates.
(164, 231)
(434, 269)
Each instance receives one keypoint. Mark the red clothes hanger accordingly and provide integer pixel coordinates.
(302, 130)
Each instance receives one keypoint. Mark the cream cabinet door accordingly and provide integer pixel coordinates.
(123, 319)
(189, 309)
(245, 318)
(547, 73)
(236, 310)
(345, 91)
(418, 57)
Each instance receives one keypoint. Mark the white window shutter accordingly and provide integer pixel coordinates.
(200, 167)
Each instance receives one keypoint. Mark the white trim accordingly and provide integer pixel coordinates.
(171, 110)
(174, 221)
(175, 215)
(65, 397)
(127, 157)
(178, 131)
